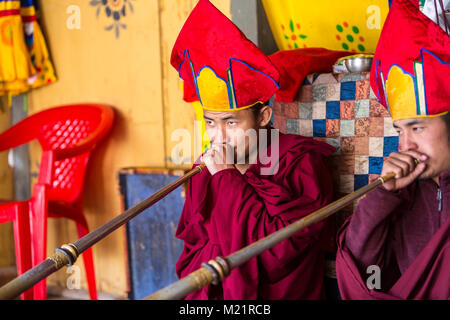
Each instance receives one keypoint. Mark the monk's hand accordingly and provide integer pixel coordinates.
(219, 157)
(407, 166)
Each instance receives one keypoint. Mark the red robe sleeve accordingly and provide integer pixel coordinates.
(368, 233)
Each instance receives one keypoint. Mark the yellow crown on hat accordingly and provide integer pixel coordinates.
(405, 93)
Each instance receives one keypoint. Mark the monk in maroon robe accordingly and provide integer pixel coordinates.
(257, 180)
(397, 243)
(230, 210)
(403, 228)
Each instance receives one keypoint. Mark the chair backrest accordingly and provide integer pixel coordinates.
(341, 110)
(70, 133)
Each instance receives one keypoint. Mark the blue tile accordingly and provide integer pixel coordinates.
(319, 128)
(333, 110)
(375, 165)
(390, 145)
(348, 90)
(361, 180)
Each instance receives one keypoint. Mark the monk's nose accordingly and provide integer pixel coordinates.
(220, 135)
(407, 142)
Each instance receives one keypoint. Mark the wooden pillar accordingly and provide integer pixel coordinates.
(7, 256)
(250, 17)
(21, 156)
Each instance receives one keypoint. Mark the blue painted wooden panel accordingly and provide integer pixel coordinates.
(153, 249)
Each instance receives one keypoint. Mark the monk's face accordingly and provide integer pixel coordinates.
(429, 136)
(236, 129)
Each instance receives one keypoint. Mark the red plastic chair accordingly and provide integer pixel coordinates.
(67, 135)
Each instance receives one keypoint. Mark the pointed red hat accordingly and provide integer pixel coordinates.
(220, 67)
(411, 66)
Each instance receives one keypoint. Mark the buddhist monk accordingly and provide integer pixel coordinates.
(397, 243)
(257, 180)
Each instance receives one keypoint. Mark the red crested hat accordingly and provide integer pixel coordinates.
(411, 66)
(220, 67)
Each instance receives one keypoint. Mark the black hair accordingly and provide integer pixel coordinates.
(256, 109)
(446, 118)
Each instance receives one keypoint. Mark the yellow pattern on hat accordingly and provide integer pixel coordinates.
(213, 91)
(400, 94)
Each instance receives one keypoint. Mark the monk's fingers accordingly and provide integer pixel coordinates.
(420, 168)
(401, 179)
(208, 156)
(224, 153)
(401, 158)
(396, 166)
(210, 153)
(418, 156)
(413, 157)
(405, 181)
(401, 166)
(407, 167)
(217, 156)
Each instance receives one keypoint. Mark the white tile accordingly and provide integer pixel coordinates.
(389, 130)
(319, 110)
(376, 146)
(361, 164)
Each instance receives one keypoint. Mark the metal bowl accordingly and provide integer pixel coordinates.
(358, 64)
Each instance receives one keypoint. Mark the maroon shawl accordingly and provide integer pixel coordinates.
(428, 277)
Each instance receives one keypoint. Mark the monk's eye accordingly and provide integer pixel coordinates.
(209, 122)
(231, 123)
(417, 129)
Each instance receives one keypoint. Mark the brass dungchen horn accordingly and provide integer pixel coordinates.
(215, 270)
(211, 272)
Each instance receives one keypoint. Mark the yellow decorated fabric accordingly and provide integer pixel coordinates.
(349, 25)
(213, 91)
(22, 66)
(401, 94)
(41, 58)
(15, 63)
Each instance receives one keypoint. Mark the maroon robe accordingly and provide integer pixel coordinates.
(406, 234)
(230, 210)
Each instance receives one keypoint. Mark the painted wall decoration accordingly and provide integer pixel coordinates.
(115, 11)
(354, 26)
(293, 35)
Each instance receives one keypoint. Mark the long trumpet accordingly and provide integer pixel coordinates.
(215, 270)
(212, 272)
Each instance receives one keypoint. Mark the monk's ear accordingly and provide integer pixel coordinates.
(265, 114)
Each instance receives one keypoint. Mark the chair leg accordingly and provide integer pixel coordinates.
(38, 224)
(23, 244)
(88, 260)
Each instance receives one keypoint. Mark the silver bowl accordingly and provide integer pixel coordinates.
(358, 64)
